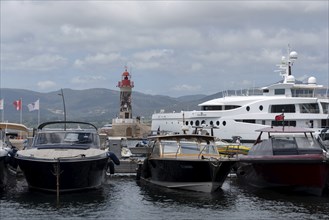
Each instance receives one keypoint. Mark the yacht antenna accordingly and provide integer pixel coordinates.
(286, 64)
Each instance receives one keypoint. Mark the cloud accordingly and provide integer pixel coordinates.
(87, 79)
(98, 59)
(187, 88)
(204, 43)
(152, 54)
(46, 85)
(42, 62)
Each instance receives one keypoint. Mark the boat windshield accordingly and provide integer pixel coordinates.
(287, 145)
(168, 147)
(66, 139)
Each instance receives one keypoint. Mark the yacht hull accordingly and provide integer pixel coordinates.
(3, 174)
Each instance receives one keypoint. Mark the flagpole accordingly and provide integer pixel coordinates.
(21, 108)
(39, 112)
(3, 110)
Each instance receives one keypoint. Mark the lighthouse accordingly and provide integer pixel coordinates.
(125, 126)
(125, 86)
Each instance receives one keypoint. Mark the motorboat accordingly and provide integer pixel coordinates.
(241, 113)
(4, 148)
(289, 158)
(65, 156)
(188, 162)
(323, 137)
(231, 149)
(7, 149)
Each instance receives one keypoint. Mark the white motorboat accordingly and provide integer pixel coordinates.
(303, 105)
(7, 148)
(65, 156)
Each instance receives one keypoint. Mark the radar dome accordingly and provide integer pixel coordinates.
(311, 80)
(293, 55)
(290, 79)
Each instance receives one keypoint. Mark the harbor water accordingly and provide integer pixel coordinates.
(122, 197)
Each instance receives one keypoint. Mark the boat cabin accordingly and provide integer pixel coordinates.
(286, 141)
(183, 146)
(71, 138)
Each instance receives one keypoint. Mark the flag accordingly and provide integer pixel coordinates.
(33, 106)
(18, 104)
(279, 117)
(1, 104)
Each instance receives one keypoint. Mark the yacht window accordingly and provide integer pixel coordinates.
(279, 92)
(324, 123)
(266, 90)
(283, 108)
(325, 107)
(211, 108)
(302, 92)
(228, 107)
(186, 123)
(197, 123)
(248, 108)
(211, 123)
(224, 123)
(217, 123)
(309, 108)
(191, 122)
(261, 107)
(247, 121)
(203, 122)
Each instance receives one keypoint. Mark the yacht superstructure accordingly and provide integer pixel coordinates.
(299, 104)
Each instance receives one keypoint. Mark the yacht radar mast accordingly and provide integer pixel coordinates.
(286, 64)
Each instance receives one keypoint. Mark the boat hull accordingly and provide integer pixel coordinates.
(3, 174)
(194, 175)
(68, 175)
(303, 175)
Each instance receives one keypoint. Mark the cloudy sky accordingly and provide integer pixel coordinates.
(170, 47)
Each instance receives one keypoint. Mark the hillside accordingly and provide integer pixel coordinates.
(98, 106)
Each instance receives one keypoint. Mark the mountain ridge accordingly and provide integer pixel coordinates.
(96, 105)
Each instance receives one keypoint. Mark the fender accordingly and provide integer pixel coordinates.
(113, 157)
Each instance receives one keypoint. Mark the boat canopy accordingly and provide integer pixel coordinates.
(286, 141)
(13, 126)
(183, 145)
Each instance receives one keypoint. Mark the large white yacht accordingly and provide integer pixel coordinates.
(301, 104)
